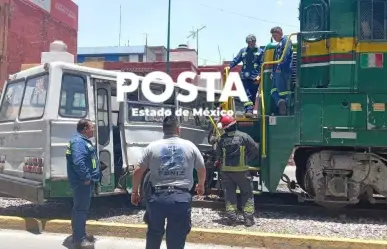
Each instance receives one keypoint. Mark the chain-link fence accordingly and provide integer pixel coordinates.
(371, 19)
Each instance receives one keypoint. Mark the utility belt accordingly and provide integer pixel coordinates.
(168, 189)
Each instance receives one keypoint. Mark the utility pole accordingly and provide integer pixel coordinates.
(146, 46)
(195, 33)
(119, 35)
(220, 56)
(168, 36)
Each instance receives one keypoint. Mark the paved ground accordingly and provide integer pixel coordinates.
(25, 240)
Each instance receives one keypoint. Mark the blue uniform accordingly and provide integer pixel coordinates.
(82, 165)
(171, 162)
(280, 88)
(252, 60)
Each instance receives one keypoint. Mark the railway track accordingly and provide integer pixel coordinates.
(265, 202)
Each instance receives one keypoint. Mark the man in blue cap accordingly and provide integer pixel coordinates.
(252, 57)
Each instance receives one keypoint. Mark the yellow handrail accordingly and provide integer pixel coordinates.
(214, 125)
(263, 111)
(228, 103)
(229, 100)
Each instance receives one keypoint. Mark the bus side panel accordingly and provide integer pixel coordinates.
(61, 132)
(138, 136)
(22, 144)
(196, 136)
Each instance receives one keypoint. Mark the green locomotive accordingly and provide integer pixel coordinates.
(337, 121)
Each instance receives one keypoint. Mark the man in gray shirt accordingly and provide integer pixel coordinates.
(171, 162)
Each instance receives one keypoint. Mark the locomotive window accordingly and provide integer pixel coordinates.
(313, 20)
(372, 15)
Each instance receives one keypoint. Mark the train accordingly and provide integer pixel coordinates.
(336, 123)
(338, 63)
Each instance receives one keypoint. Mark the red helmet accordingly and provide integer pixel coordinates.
(227, 121)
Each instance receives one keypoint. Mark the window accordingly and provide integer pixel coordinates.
(187, 119)
(156, 89)
(34, 100)
(217, 102)
(124, 58)
(190, 105)
(103, 117)
(140, 58)
(239, 106)
(90, 59)
(73, 101)
(140, 107)
(132, 96)
(11, 101)
(202, 103)
(313, 20)
(372, 15)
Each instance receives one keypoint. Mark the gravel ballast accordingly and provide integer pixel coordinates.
(273, 222)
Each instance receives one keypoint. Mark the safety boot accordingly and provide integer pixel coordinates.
(85, 244)
(249, 113)
(232, 219)
(282, 107)
(90, 238)
(249, 220)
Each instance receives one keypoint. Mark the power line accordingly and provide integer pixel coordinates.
(246, 16)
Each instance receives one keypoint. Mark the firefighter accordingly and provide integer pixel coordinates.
(281, 71)
(234, 150)
(251, 56)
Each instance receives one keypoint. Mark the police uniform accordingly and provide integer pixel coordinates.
(252, 60)
(234, 150)
(280, 89)
(171, 162)
(82, 166)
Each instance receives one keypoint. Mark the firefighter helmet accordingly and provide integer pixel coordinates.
(251, 38)
(227, 121)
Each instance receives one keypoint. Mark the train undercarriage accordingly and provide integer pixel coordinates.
(336, 178)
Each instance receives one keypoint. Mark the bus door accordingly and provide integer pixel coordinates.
(104, 131)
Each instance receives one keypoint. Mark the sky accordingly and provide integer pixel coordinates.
(227, 23)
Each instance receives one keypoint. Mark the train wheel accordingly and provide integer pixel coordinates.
(311, 181)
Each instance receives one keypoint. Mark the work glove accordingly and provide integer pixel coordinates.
(214, 139)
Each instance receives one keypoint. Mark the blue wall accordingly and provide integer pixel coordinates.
(108, 57)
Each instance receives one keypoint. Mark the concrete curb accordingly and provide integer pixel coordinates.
(206, 236)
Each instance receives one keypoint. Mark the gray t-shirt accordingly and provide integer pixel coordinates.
(171, 161)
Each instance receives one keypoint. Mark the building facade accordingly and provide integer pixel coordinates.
(115, 54)
(27, 28)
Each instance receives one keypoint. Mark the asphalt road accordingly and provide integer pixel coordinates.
(25, 240)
